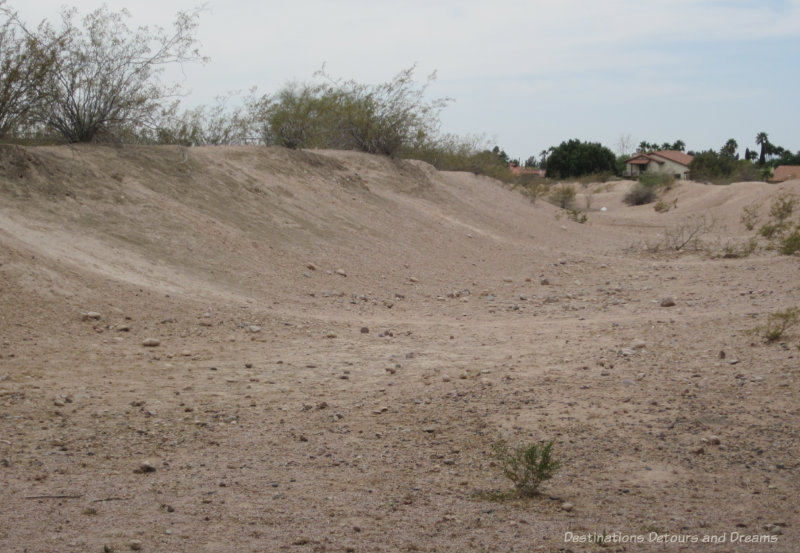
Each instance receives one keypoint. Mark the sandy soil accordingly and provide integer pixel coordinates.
(342, 337)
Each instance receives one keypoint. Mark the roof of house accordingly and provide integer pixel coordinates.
(671, 155)
(674, 155)
(786, 172)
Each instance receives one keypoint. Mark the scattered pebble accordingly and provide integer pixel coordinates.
(668, 302)
(151, 343)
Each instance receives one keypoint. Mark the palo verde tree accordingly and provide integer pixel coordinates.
(386, 119)
(27, 59)
(107, 75)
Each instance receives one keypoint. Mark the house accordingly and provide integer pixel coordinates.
(785, 172)
(517, 170)
(664, 161)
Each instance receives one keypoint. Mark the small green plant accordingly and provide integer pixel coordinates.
(778, 324)
(790, 245)
(526, 466)
(735, 251)
(749, 217)
(577, 215)
(661, 206)
(563, 196)
(657, 180)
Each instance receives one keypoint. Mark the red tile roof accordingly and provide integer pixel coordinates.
(786, 172)
(674, 155)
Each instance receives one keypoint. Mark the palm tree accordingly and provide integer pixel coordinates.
(762, 140)
(729, 149)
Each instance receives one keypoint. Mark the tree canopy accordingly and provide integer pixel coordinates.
(575, 158)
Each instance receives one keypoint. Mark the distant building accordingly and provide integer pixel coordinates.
(785, 172)
(663, 161)
(517, 170)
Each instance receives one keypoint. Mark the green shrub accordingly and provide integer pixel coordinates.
(577, 215)
(526, 466)
(661, 206)
(563, 196)
(640, 194)
(657, 180)
(778, 323)
(790, 245)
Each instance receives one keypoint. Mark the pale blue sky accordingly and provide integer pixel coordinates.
(527, 74)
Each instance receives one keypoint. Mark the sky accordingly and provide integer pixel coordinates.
(526, 75)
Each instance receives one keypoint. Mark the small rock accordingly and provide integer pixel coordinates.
(544, 281)
(638, 344)
(145, 467)
(135, 545)
(668, 302)
(151, 343)
(254, 328)
(413, 279)
(364, 330)
(699, 450)
(311, 267)
(341, 272)
(91, 316)
(714, 440)
(567, 506)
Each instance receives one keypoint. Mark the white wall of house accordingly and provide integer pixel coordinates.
(668, 166)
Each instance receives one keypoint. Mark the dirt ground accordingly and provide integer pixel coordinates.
(342, 337)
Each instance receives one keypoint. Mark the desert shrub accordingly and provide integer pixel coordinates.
(738, 250)
(563, 196)
(526, 466)
(640, 194)
(790, 244)
(661, 206)
(577, 215)
(778, 228)
(778, 323)
(749, 216)
(687, 234)
(386, 118)
(657, 180)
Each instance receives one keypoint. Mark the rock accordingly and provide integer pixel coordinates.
(330, 334)
(567, 506)
(91, 316)
(544, 281)
(668, 302)
(311, 267)
(699, 450)
(145, 467)
(364, 330)
(638, 344)
(254, 329)
(413, 279)
(151, 343)
(135, 545)
(123, 328)
(714, 440)
(341, 272)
